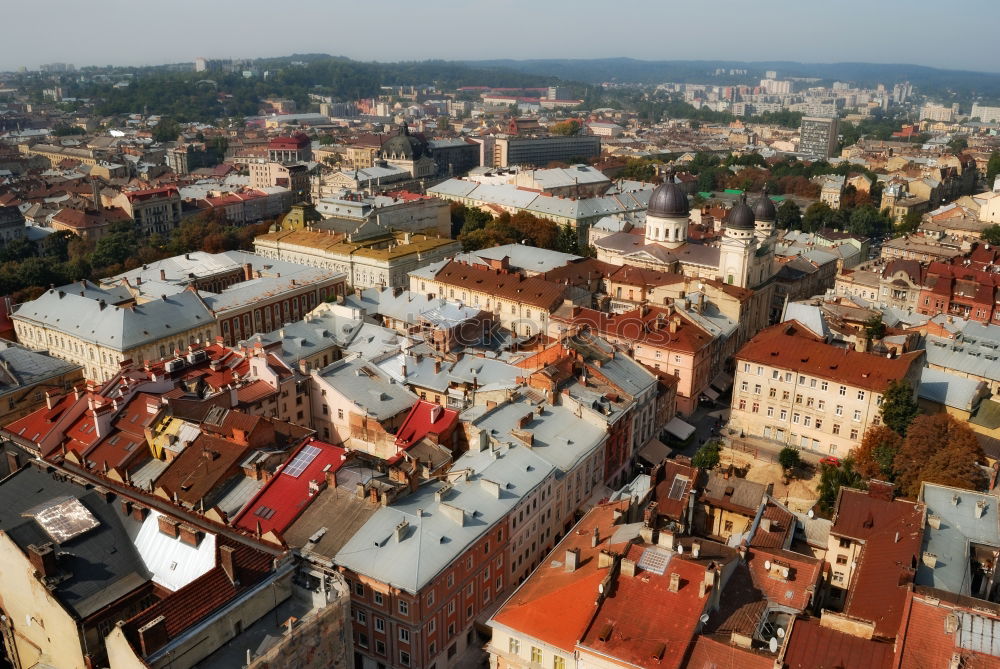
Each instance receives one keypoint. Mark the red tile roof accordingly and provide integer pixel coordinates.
(812, 646)
(650, 328)
(554, 605)
(506, 286)
(207, 462)
(660, 635)
(791, 345)
(425, 418)
(285, 496)
(717, 653)
(675, 507)
(206, 594)
(892, 531)
(924, 641)
(795, 591)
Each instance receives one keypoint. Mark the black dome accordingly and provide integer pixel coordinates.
(741, 216)
(404, 145)
(668, 200)
(763, 209)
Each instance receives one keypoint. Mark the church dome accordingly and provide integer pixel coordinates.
(741, 217)
(404, 146)
(763, 209)
(668, 200)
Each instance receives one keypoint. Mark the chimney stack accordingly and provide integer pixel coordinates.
(153, 635)
(572, 559)
(628, 567)
(675, 582)
(43, 559)
(227, 563)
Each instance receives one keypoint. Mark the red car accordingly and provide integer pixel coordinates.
(830, 460)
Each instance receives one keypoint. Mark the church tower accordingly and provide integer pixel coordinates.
(765, 215)
(667, 215)
(739, 246)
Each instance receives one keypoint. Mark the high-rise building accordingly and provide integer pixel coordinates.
(985, 114)
(818, 136)
(936, 112)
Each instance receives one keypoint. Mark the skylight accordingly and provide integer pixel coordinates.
(63, 518)
(302, 460)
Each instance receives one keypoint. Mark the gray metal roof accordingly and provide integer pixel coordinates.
(949, 390)
(371, 389)
(117, 328)
(20, 367)
(439, 531)
(959, 526)
(979, 359)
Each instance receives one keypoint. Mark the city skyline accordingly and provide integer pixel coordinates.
(779, 30)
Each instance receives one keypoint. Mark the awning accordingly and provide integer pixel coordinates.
(710, 393)
(722, 382)
(654, 452)
(680, 429)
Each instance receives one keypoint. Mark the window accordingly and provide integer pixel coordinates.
(380, 646)
(451, 580)
(812, 383)
(430, 598)
(821, 405)
(819, 424)
(770, 412)
(798, 399)
(362, 617)
(404, 658)
(536, 655)
(773, 392)
(783, 415)
(861, 394)
(362, 639)
(756, 389)
(340, 414)
(379, 624)
(468, 590)
(836, 428)
(839, 410)
(431, 626)
(775, 374)
(785, 395)
(857, 414)
(404, 608)
(841, 559)
(760, 371)
(854, 433)
(359, 589)
(404, 635)
(746, 367)
(824, 386)
(513, 646)
(744, 386)
(843, 390)
(788, 377)
(845, 543)
(878, 400)
(743, 405)
(756, 407)
(378, 598)
(807, 421)
(796, 417)
(809, 401)
(451, 607)
(558, 662)
(802, 380)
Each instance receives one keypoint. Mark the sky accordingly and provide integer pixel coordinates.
(120, 32)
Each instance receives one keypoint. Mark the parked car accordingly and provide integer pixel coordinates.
(830, 460)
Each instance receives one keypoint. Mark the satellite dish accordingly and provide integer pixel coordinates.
(680, 550)
(703, 618)
(600, 588)
(767, 564)
(773, 645)
(811, 513)
(780, 632)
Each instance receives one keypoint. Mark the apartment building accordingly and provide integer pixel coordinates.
(155, 210)
(521, 304)
(794, 388)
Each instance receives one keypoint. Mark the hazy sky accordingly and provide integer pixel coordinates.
(120, 32)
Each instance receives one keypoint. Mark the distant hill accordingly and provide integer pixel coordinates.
(947, 84)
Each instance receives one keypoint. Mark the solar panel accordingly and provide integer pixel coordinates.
(654, 560)
(301, 461)
(677, 487)
(264, 512)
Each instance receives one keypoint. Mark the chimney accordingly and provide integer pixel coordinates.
(675, 582)
(168, 526)
(595, 538)
(572, 559)
(674, 323)
(400, 532)
(929, 559)
(628, 567)
(605, 559)
(247, 271)
(189, 535)
(695, 549)
(153, 635)
(646, 534)
(50, 400)
(227, 563)
(43, 559)
(666, 540)
(163, 275)
(980, 508)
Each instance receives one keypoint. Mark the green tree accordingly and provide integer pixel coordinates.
(991, 234)
(875, 329)
(708, 456)
(818, 215)
(166, 130)
(898, 406)
(910, 222)
(789, 458)
(570, 127)
(568, 240)
(867, 221)
(56, 245)
(939, 449)
(789, 216)
(958, 144)
(992, 169)
(116, 247)
(832, 478)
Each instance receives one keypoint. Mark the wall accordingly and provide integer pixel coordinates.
(320, 641)
(43, 631)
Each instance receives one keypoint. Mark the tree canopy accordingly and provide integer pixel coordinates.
(898, 406)
(875, 457)
(708, 456)
(939, 449)
(832, 478)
